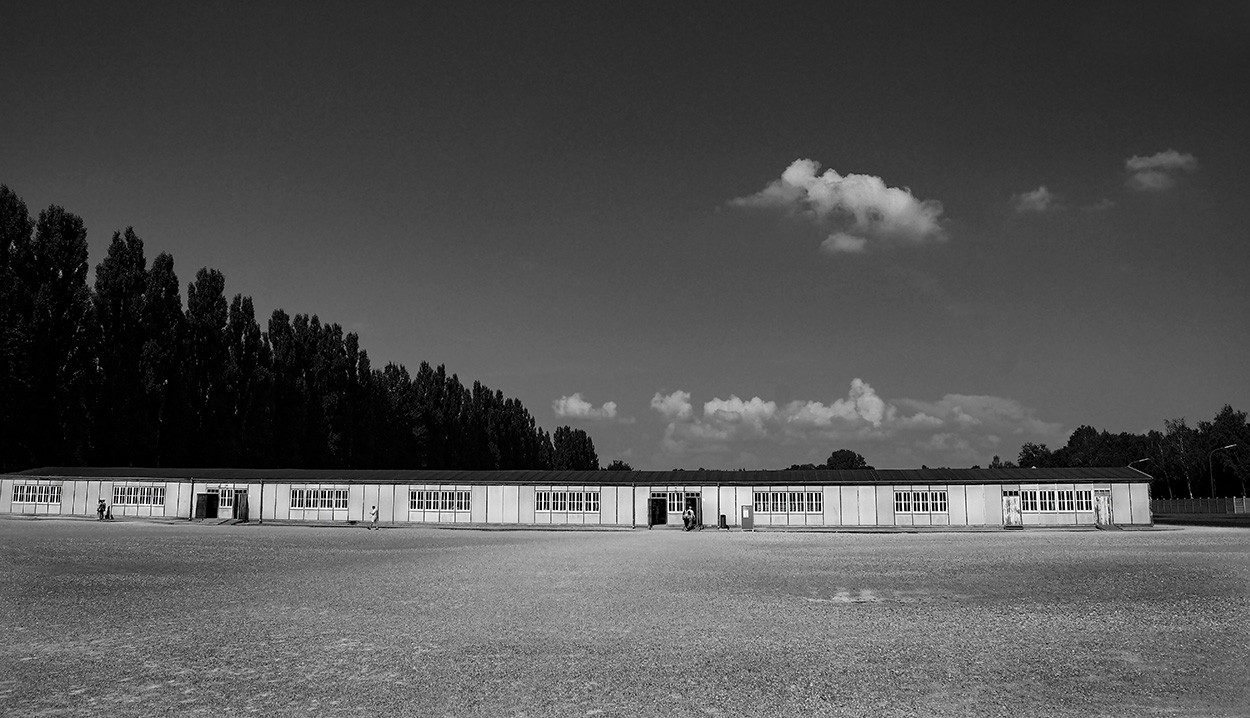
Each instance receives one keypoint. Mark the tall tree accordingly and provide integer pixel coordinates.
(161, 367)
(249, 384)
(62, 339)
(120, 284)
(574, 451)
(207, 356)
(16, 308)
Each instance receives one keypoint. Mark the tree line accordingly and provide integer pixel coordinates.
(1208, 459)
(120, 374)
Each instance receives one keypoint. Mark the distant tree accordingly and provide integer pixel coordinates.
(1034, 455)
(618, 465)
(998, 463)
(846, 459)
(574, 450)
(805, 467)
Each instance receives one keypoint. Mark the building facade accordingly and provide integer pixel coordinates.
(745, 499)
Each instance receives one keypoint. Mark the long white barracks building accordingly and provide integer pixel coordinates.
(1016, 497)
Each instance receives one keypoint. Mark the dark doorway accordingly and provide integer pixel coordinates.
(206, 506)
(240, 506)
(657, 511)
(695, 503)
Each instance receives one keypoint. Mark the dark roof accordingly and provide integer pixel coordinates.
(574, 478)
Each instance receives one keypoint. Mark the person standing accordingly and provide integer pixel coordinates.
(373, 518)
(99, 510)
(687, 519)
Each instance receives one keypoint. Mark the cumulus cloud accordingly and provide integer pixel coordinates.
(1159, 171)
(1038, 200)
(960, 428)
(858, 209)
(575, 407)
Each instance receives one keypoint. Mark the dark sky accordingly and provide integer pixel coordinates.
(1011, 222)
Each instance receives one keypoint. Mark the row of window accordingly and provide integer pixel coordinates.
(36, 494)
(920, 502)
(138, 495)
(570, 501)
(676, 499)
(789, 502)
(428, 500)
(1061, 500)
(318, 498)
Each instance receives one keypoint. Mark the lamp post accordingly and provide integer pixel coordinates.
(1130, 464)
(1211, 468)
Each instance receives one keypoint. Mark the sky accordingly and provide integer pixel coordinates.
(711, 235)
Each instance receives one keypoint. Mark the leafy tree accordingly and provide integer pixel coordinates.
(120, 285)
(249, 385)
(62, 338)
(1034, 455)
(207, 356)
(619, 465)
(16, 309)
(161, 368)
(846, 459)
(574, 451)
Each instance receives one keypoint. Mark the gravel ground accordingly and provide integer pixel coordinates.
(135, 618)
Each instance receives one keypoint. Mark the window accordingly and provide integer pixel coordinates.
(920, 502)
(815, 502)
(124, 495)
(1028, 501)
(794, 502)
(1084, 500)
(318, 498)
(1066, 501)
(1040, 500)
(580, 502)
(1046, 500)
(36, 493)
(902, 502)
(439, 500)
(676, 502)
(225, 496)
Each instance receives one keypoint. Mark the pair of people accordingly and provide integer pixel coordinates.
(103, 511)
(688, 520)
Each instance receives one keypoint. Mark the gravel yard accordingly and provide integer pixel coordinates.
(140, 618)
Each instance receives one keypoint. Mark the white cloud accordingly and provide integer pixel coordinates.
(843, 242)
(858, 208)
(575, 407)
(958, 429)
(1038, 200)
(1159, 171)
(674, 406)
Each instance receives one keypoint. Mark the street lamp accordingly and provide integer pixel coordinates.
(1130, 464)
(1210, 466)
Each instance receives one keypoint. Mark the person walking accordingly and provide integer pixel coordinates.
(687, 519)
(373, 518)
(99, 510)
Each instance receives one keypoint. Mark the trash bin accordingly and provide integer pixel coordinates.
(723, 524)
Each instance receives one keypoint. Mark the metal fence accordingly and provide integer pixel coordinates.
(1230, 505)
